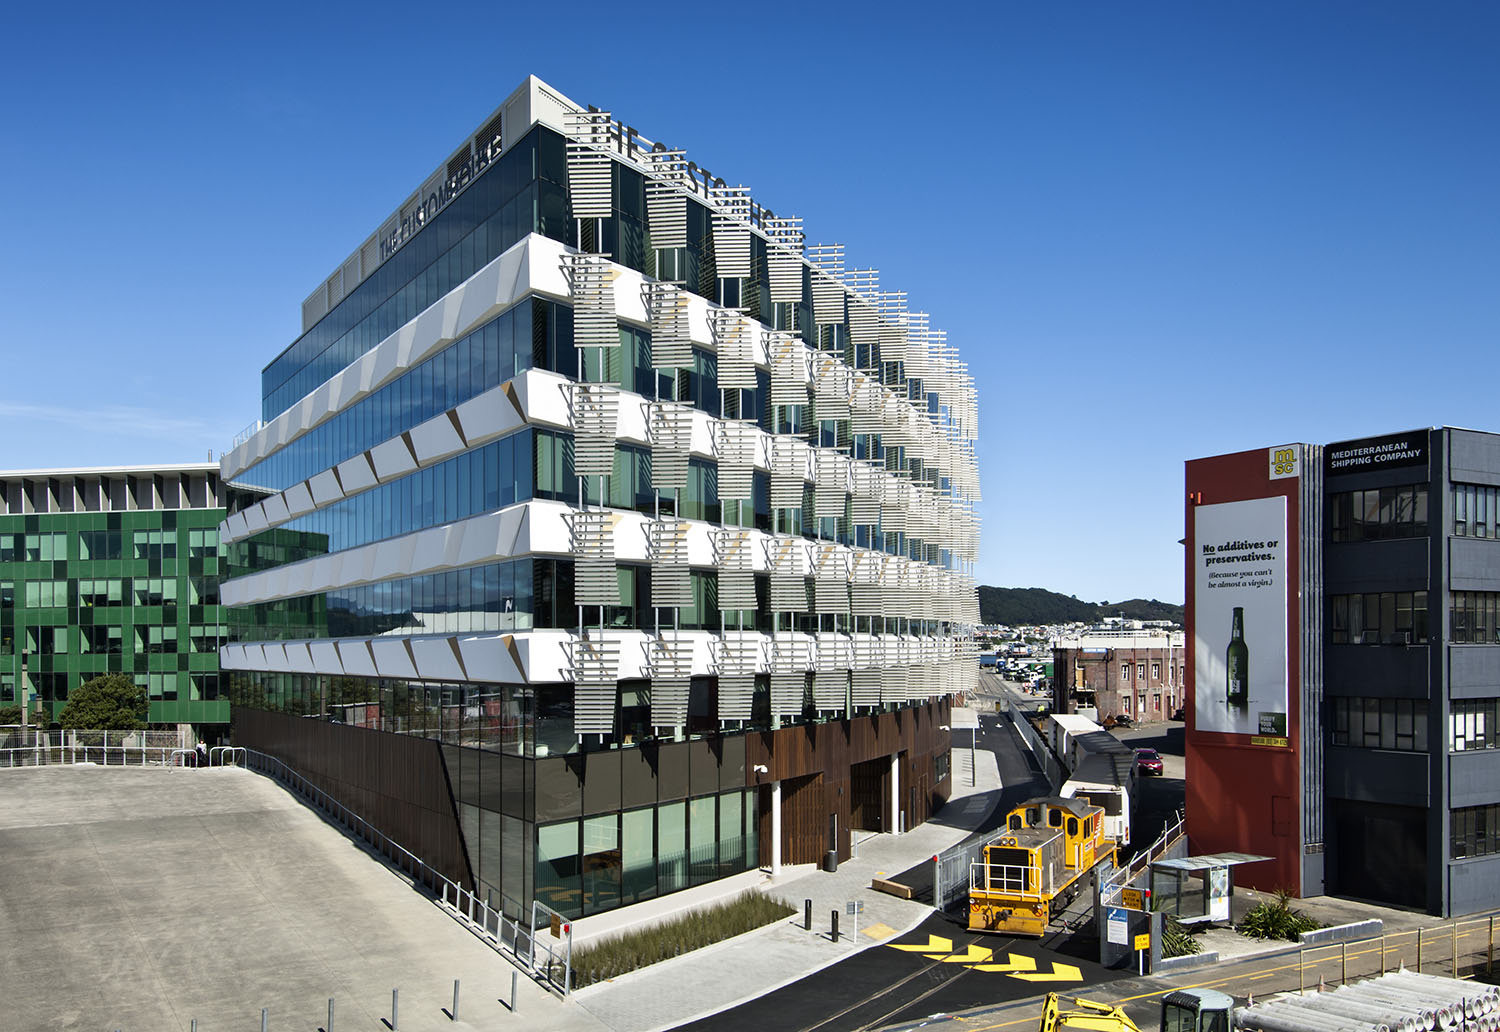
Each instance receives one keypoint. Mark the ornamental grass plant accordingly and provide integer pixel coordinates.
(1276, 919)
(618, 954)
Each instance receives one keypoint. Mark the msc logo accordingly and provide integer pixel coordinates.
(1283, 463)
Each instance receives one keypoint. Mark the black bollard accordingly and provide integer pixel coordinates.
(807, 915)
(835, 925)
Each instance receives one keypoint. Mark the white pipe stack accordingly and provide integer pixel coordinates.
(1402, 1001)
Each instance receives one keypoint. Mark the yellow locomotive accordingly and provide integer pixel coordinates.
(1037, 866)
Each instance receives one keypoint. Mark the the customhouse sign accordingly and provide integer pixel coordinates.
(439, 198)
(633, 146)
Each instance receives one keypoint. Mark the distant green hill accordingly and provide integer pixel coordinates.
(1040, 606)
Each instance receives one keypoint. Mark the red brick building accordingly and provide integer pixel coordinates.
(1138, 674)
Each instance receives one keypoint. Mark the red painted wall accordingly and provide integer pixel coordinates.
(1241, 797)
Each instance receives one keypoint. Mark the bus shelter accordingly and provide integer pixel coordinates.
(1197, 888)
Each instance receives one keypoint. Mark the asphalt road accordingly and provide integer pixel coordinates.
(940, 967)
(1019, 776)
(937, 968)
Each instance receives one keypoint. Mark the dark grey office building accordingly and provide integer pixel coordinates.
(1412, 669)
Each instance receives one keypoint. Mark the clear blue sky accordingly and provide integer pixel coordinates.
(1156, 231)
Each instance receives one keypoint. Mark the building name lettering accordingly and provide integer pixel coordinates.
(629, 143)
(436, 200)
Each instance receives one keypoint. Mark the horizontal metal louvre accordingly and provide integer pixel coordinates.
(590, 168)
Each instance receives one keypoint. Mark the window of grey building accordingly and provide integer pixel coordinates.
(1399, 724)
(1379, 618)
(1475, 831)
(1379, 513)
(1474, 509)
(1474, 617)
(1471, 725)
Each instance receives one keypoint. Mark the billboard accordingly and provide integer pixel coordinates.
(1240, 619)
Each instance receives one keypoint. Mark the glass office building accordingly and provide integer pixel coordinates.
(644, 527)
(112, 571)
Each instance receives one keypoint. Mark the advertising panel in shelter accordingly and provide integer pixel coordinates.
(1240, 618)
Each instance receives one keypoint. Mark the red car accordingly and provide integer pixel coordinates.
(1148, 761)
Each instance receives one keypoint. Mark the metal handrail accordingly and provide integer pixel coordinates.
(983, 878)
(1119, 877)
(226, 755)
(175, 754)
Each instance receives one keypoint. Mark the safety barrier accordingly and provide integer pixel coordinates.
(31, 748)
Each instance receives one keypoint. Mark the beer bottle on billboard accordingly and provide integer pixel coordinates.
(1237, 665)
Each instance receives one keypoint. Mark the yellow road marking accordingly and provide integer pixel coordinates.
(935, 944)
(1060, 973)
(1017, 963)
(975, 954)
(879, 931)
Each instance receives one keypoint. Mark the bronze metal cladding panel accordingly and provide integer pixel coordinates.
(834, 751)
(396, 782)
(803, 820)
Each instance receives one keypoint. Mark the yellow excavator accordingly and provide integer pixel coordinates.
(1185, 1010)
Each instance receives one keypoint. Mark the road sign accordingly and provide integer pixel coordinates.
(1117, 926)
(1143, 942)
(1133, 899)
(855, 906)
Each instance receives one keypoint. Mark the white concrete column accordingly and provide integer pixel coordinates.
(775, 828)
(895, 794)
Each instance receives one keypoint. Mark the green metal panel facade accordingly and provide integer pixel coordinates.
(87, 593)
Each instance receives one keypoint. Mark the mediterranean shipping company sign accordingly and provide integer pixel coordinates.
(1390, 452)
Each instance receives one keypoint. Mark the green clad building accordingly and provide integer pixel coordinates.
(112, 570)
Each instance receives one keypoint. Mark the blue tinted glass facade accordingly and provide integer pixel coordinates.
(532, 333)
(524, 192)
(481, 480)
(495, 597)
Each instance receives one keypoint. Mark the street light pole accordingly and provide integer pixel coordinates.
(973, 745)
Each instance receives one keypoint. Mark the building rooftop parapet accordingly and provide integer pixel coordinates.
(1145, 638)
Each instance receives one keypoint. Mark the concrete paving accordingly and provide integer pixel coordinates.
(729, 973)
(141, 899)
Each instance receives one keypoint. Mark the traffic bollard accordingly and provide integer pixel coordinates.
(807, 915)
(513, 983)
(835, 925)
(330, 1015)
(454, 1013)
(395, 1001)
(265, 1014)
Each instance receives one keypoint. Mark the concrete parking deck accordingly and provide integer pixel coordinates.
(140, 899)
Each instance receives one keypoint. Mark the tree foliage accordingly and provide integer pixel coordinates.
(110, 702)
(1012, 606)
